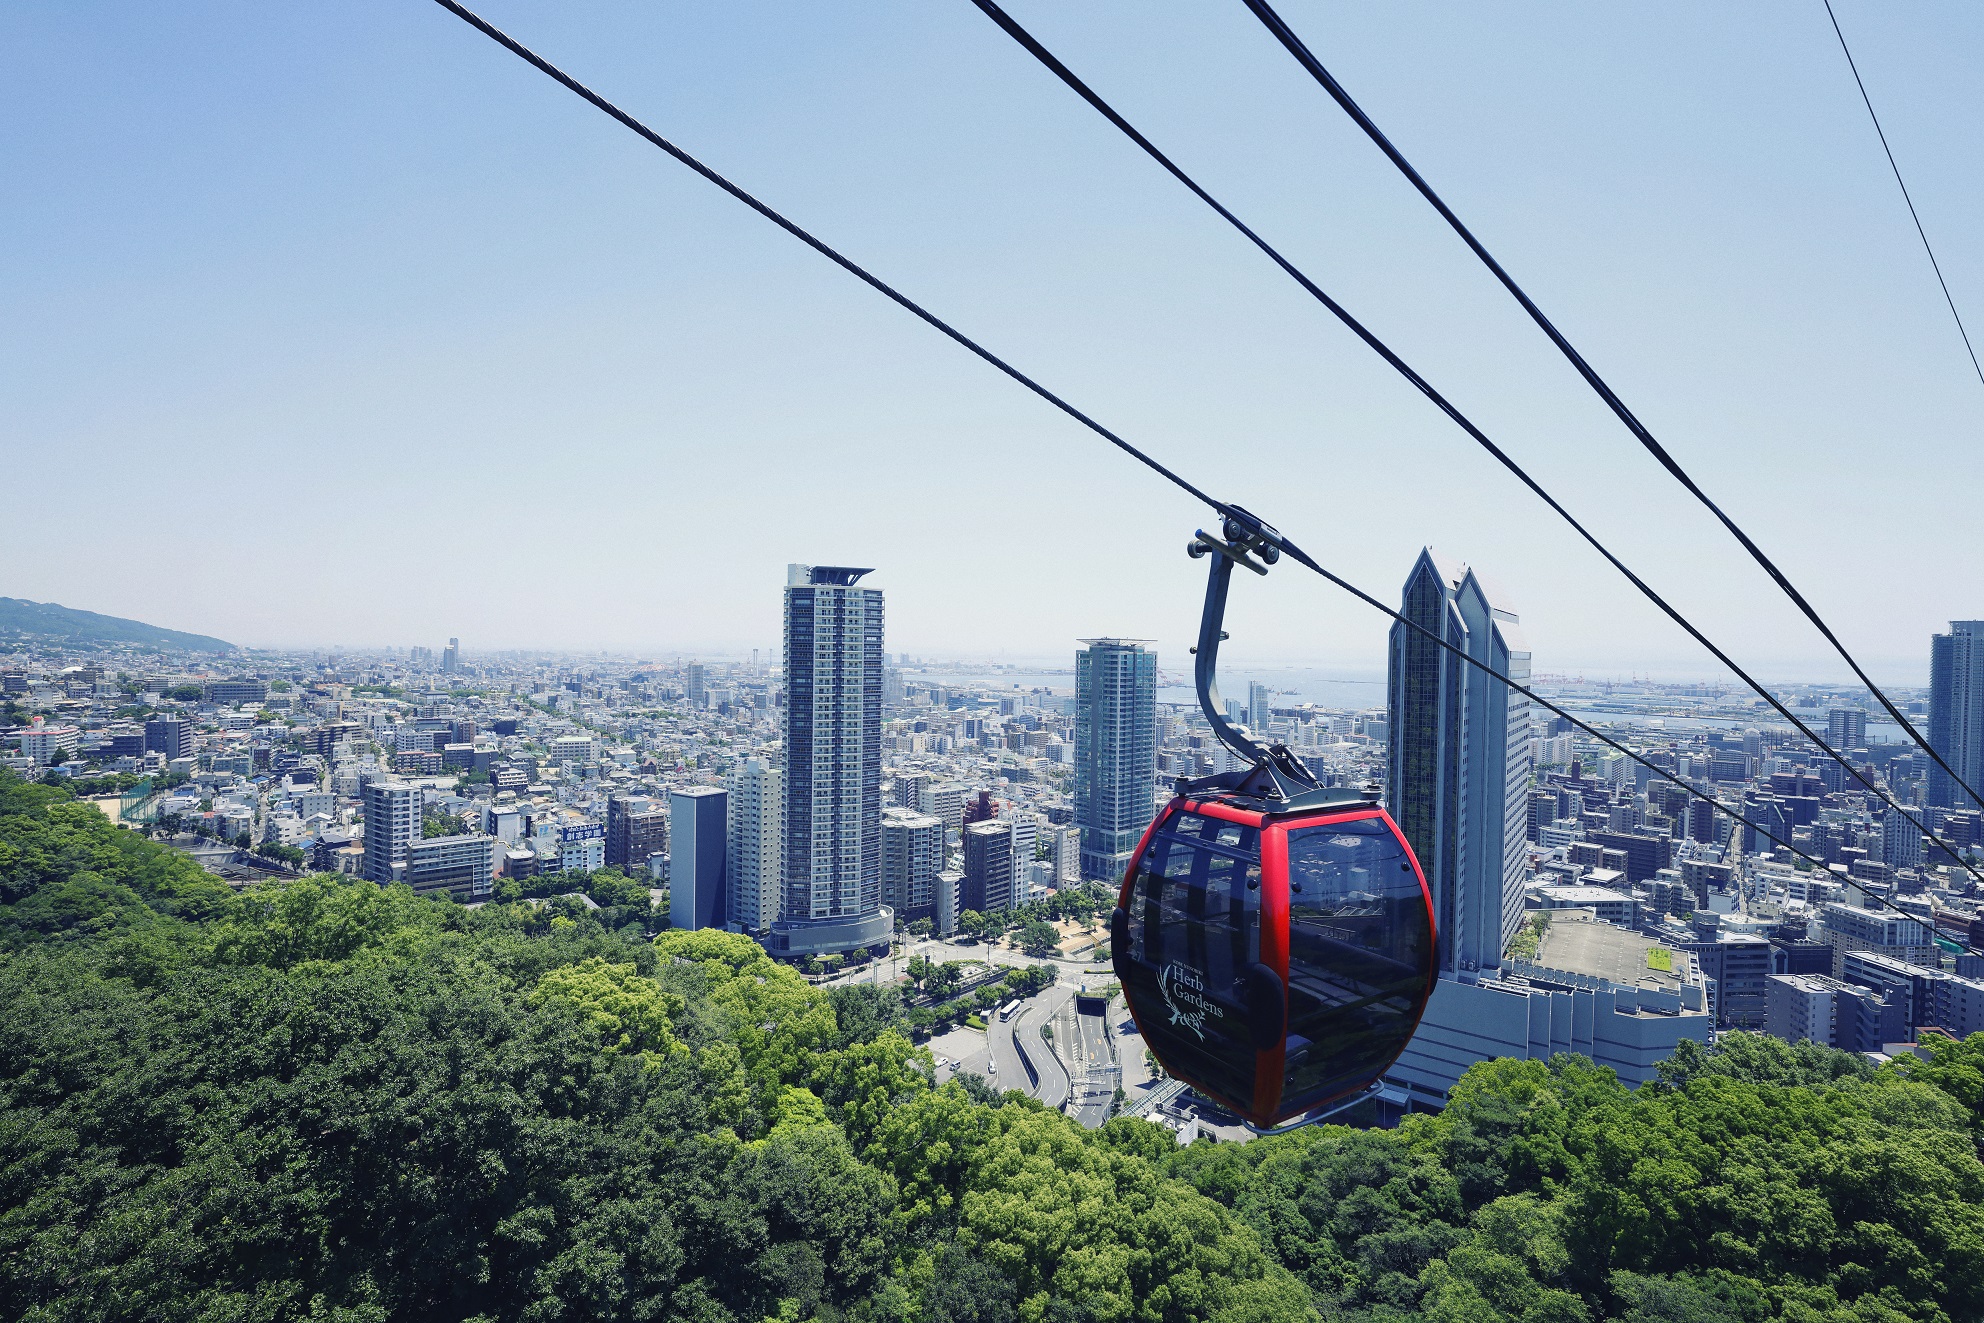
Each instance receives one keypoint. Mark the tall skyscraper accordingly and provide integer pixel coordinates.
(694, 686)
(1459, 775)
(697, 858)
(1258, 708)
(1115, 751)
(392, 825)
(1956, 712)
(451, 656)
(833, 763)
(756, 836)
(1846, 728)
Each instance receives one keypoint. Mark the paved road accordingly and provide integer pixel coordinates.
(1129, 1046)
(1052, 1083)
(1093, 1065)
(1011, 1070)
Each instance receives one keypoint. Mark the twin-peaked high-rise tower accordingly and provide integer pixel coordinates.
(832, 861)
(1458, 784)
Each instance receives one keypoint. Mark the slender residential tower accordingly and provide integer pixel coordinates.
(1956, 712)
(757, 842)
(1459, 777)
(1115, 752)
(833, 764)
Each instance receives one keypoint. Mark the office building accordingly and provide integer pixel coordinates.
(833, 764)
(581, 848)
(462, 866)
(451, 656)
(1848, 928)
(392, 825)
(1645, 853)
(228, 693)
(1115, 751)
(171, 736)
(755, 840)
(988, 867)
(1736, 966)
(1956, 712)
(1901, 837)
(1259, 710)
(1821, 1009)
(694, 688)
(636, 830)
(1459, 773)
(504, 822)
(1615, 907)
(698, 857)
(1799, 1008)
(1591, 988)
(1846, 728)
(574, 750)
(912, 856)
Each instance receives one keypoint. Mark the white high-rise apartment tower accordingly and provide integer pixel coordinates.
(1115, 751)
(756, 840)
(833, 764)
(392, 825)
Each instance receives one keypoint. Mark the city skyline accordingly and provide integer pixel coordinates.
(1778, 339)
(832, 835)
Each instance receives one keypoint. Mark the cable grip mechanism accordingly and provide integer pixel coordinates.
(1275, 772)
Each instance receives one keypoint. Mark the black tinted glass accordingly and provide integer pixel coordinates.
(1359, 954)
(1193, 934)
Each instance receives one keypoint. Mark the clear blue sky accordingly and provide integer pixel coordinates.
(336, 323)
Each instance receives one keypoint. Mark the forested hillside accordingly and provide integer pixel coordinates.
(321, 1100)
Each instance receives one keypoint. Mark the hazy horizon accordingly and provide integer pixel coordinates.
(344, 325)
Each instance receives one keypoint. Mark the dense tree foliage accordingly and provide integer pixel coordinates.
(320, 1099)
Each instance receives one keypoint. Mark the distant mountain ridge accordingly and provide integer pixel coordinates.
(51, 621)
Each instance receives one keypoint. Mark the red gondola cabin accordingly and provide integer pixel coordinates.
(1276, 955)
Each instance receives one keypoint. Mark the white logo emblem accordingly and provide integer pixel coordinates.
(1184, 991)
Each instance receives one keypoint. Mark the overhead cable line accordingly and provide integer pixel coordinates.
(1046, 57)
(876, 283)
(1923, 234)
(552, 71)
(1283, 33)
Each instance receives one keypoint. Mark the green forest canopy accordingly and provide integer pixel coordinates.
(319, 1099)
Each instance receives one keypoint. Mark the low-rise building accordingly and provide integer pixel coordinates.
(464, 866)
(1609, 905)
(1593, 988)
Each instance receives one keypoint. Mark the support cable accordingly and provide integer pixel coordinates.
(552, 71)
(1032, 45)
(1923, 234)
(546, 67)
(1283, 33)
